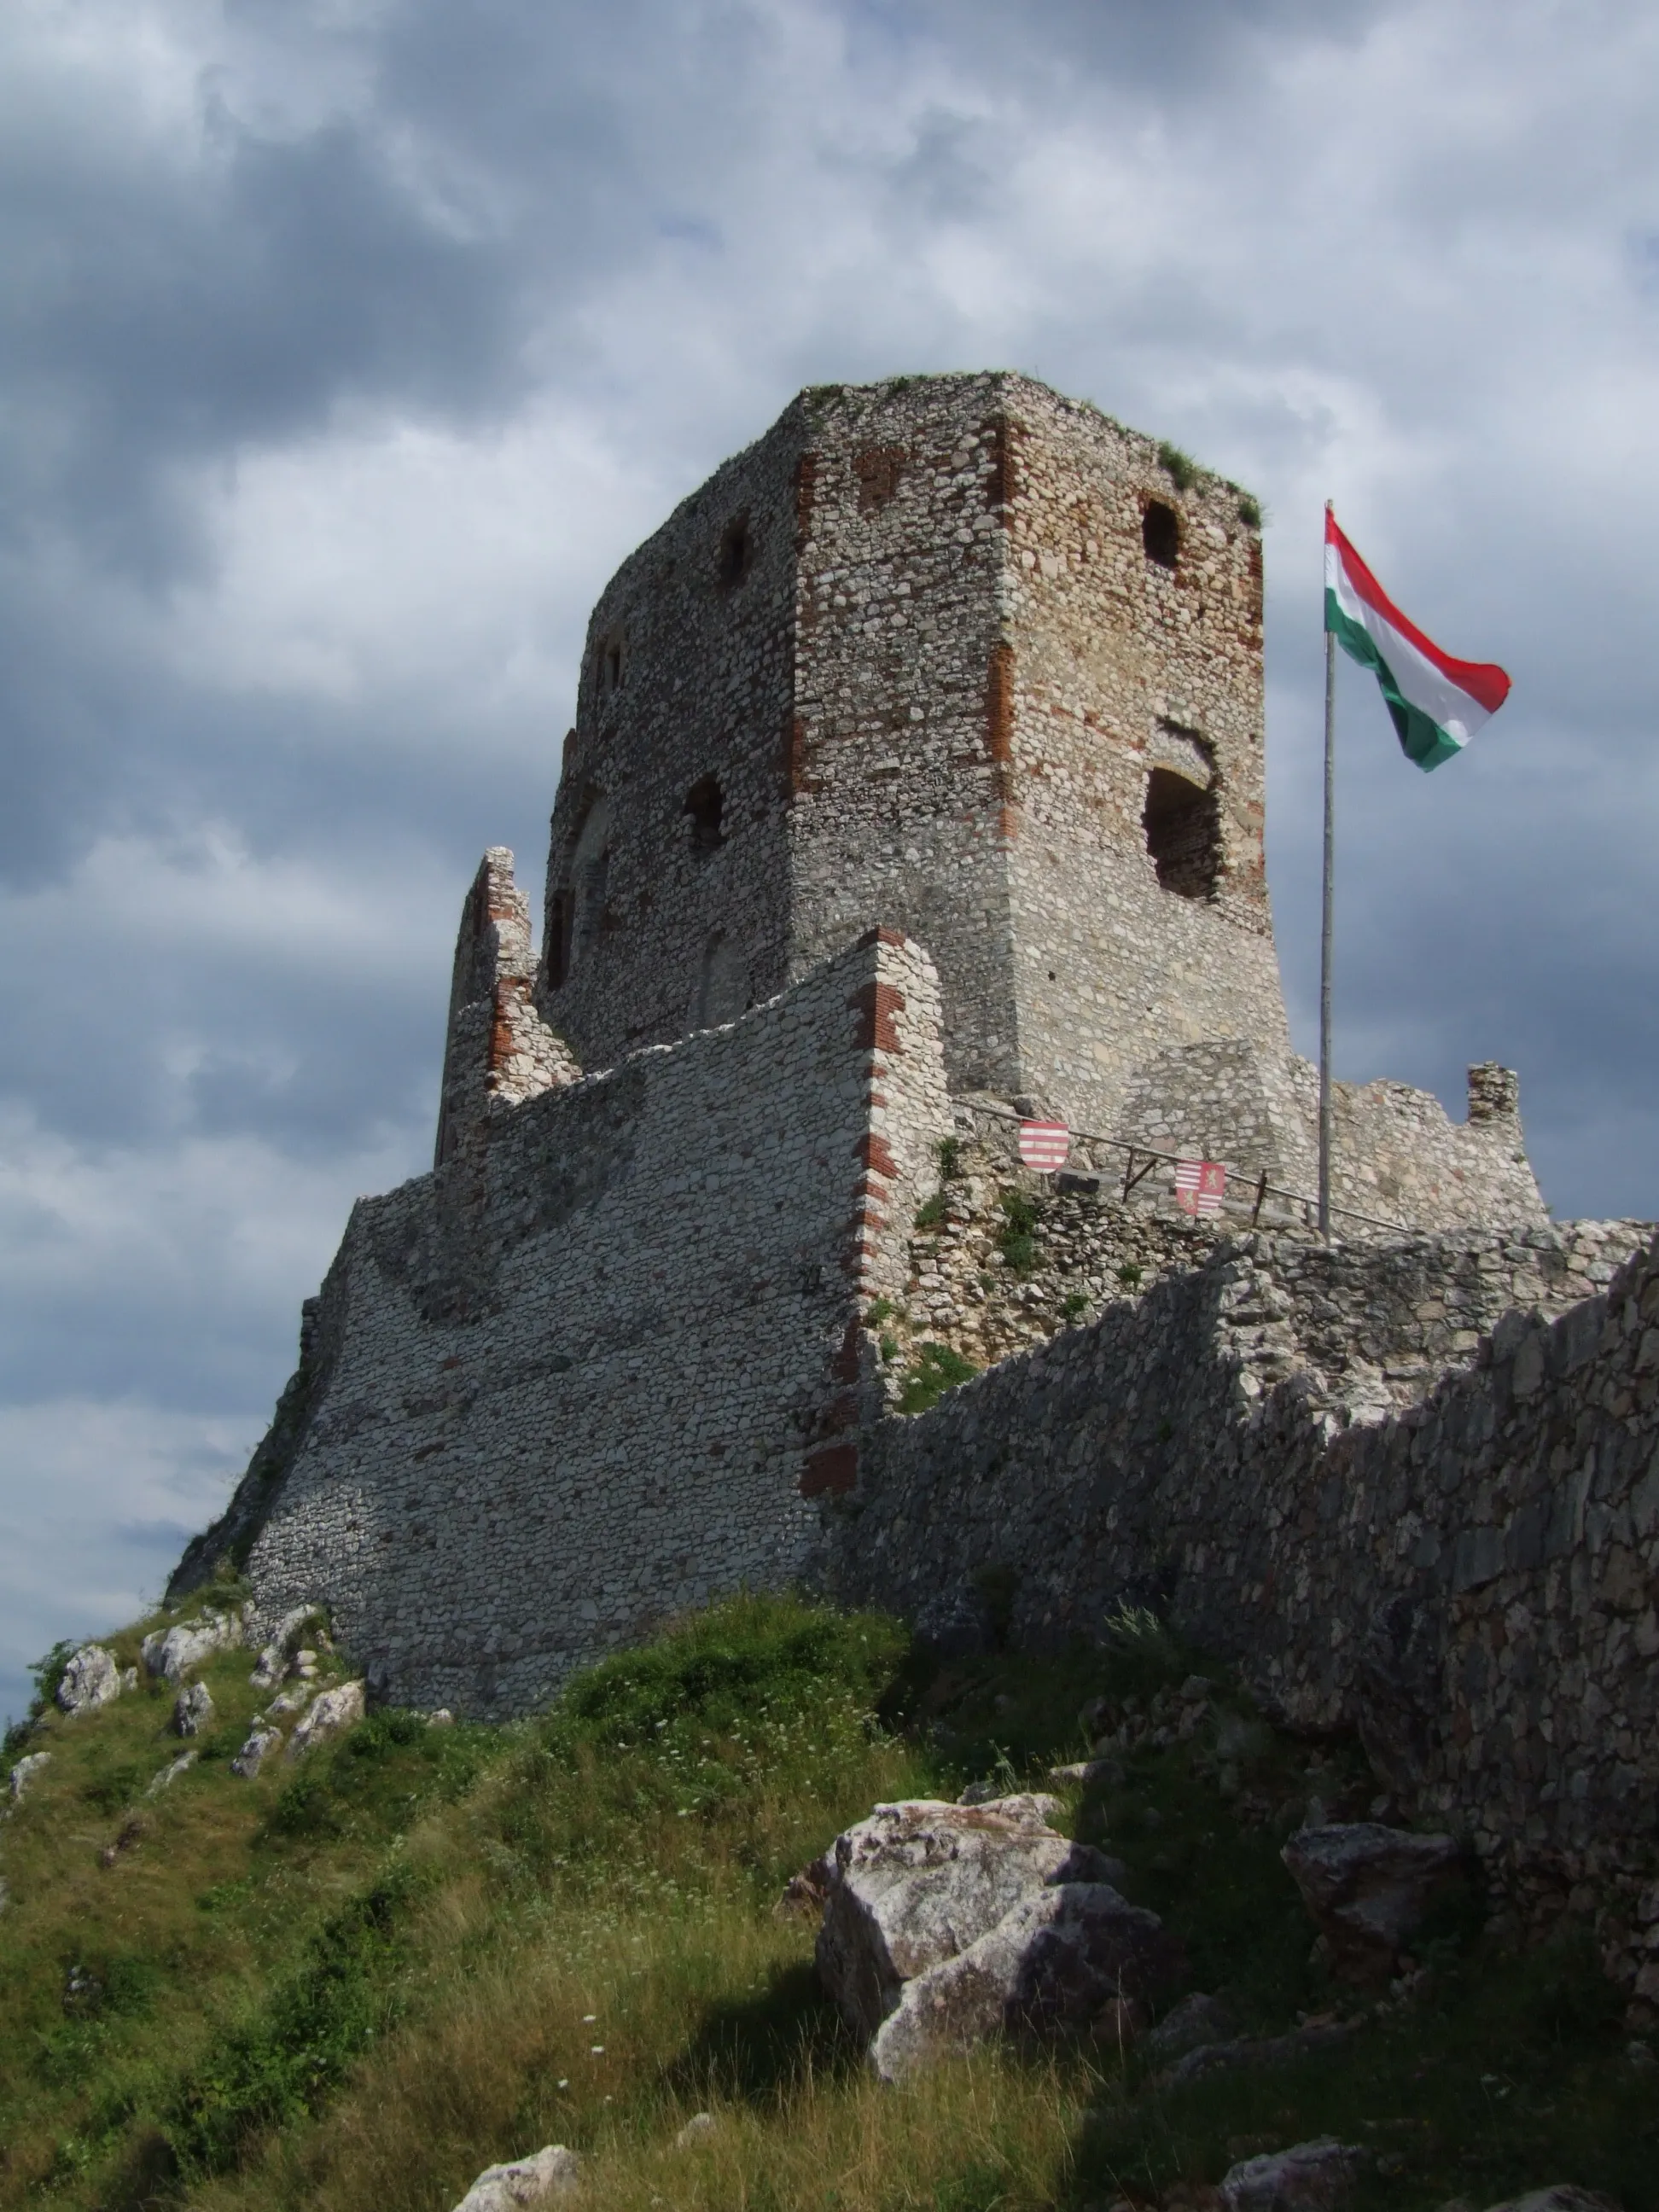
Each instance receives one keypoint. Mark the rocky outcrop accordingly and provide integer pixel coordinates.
(192, 1709)
(261, 1743)
(945, 1924)
(91, 1679)
(1368, 1887)
(26, 1770)
(333, 1712)
(173, 1652)
(550, 2172)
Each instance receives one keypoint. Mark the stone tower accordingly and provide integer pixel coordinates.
(951, 654)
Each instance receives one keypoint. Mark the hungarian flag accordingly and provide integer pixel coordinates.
(1437, 703)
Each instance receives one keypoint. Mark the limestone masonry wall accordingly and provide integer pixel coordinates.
(1470, 1579)
(917, 783)
(596, 1365)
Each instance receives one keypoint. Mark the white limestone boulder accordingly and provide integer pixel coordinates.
(1309, 2176)
(1047, 1968)
(945, 1923)
(329, 1715)
(254, 1753)
(91, 1679)
(192, 1710)
(26, 1770)
(1368, 1889)
(170, 1774)
(917, 1882)
(551, 2173)
(172, 1652)
(285, 1640)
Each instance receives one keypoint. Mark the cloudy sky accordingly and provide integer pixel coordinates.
(348, 344)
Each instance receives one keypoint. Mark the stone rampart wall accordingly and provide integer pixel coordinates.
(598, 1364)
(1469, 1579)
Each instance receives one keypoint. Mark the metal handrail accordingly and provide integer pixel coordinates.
(1264, 1190)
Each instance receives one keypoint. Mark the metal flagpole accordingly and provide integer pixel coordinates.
(1325, 928)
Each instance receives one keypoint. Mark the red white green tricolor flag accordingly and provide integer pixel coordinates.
(1437, 703)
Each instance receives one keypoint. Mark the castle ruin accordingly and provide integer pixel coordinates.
(916, 784)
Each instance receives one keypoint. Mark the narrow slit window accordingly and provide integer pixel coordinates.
(561, 915)
(706, 805)
(737, 552)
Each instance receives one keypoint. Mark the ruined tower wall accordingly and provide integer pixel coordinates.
(900, 772)
(659, 921)
(1123, 670)
(602, 1362)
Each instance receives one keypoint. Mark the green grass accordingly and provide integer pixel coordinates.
(348, 1987)
(1181, 468)
(936, 1369)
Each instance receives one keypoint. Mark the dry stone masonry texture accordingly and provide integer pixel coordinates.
(916, 782)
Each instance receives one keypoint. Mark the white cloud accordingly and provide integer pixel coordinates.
(95, 1501)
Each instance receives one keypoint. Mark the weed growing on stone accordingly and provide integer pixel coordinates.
(1181, 468)
(935, 1370)
(1017, 1235)
(930, 1214)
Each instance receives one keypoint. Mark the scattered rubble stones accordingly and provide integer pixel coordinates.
(260, 1744)
(1309, 2176)
(1242, 2051)
(329, 1715)
(172, 1652)
(91, 1679)
(284, 1640)
(192, 1710)
(1197, 2018)
(1368, 1889)
(551, 2173)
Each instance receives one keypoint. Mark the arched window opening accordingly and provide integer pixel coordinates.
(611, 666)
(1160, 534)
(561, 915)
(723, 991)
(704, 803)
(1183, 825)
(736, 551)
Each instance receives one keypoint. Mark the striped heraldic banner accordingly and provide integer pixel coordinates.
(1044, 1145)
(1200, 1186)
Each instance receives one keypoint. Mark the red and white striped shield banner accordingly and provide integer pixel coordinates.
(1044, 1145)
(1200, 1185)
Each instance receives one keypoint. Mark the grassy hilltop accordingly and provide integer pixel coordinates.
(351, 1983)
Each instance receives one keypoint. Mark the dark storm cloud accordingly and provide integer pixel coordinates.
(346, 349)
